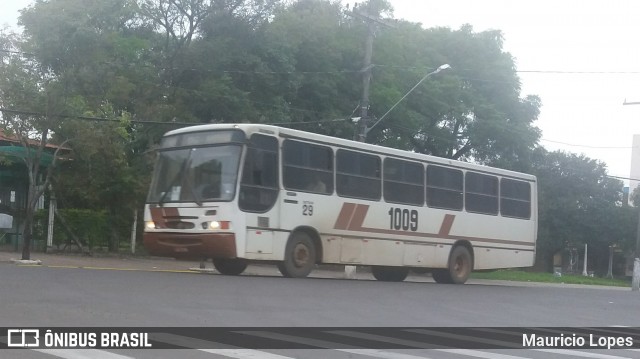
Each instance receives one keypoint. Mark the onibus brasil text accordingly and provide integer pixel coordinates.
(22, 338)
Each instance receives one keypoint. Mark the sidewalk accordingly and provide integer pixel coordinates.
(129, 262)
(103, 261)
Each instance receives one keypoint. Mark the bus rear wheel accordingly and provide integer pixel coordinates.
(460, 266)
(228, 266)
(441, 276)
(299, 256)
(389, 274)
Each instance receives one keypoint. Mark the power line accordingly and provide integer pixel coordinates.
(624, 178)
(97, 119)
(102, 119)
(580, 72)
(590, 146)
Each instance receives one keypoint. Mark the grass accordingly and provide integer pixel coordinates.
(521, 276)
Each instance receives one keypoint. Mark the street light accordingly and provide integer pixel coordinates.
(442, 67)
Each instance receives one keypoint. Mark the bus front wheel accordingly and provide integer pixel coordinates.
(459, 269)
(228, 266)
(389, 274)
(299, 256)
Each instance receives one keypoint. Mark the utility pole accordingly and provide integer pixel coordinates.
(372, 21)
(366, 82)
(363, 123)
(52, 210)
(584, 264)
(635, 279)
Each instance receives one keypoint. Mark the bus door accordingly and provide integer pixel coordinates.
(258, 195)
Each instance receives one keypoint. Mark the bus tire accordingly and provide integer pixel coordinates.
(441, 276)
(299, 256)
(459, 268)
(460, 264)
(228, 266)
(389, 274)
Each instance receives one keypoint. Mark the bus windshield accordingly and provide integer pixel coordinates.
(196, 174)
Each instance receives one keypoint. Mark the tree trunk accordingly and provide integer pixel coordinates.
(27, 235)
(544, 261)
(114, 240)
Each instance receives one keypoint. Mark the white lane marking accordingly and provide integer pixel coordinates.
(581, 354)
(245, 354)
(82, 354)
(188, 342)
(464, 338)
(332, 346)
(480, 354)
(300, 340)
(384, 339)
(381, 354)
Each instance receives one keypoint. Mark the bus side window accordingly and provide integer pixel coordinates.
(259, 186)
(481, 193)
(444, 188)
(515, 198)
(403, 182)
(358, 175)
(307, 167)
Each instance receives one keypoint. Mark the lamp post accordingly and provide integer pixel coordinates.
(350, 271)
(367, 129)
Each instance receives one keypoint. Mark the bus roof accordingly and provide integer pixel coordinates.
(350, 144)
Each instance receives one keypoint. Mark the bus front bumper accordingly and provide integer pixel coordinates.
(190, 246)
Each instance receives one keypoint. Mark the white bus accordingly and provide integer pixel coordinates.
(244, 192)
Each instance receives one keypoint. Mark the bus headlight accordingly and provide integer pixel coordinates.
(150, 225)
(219, 225)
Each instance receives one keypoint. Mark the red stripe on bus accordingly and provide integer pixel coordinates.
(358, 217)
(344, 217)
(352, 216)
(159, 215)
(446, 225)
(157, 218)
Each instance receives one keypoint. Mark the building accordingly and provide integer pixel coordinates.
(14, 185)
(635, 166)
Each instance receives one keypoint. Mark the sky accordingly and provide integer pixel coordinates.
(581, 57)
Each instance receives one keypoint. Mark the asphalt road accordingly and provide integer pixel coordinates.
(77, 297)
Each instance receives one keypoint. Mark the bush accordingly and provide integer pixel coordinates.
(90, 226)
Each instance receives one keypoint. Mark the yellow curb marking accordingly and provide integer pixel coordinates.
(121, 269)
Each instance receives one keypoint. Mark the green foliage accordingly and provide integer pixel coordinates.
(91, 227)
(520, 276)
(474, 111)
(579, 204)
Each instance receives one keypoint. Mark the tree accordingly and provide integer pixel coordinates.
(25, 84)
(578, 204)
(104, 175)
(472, 112)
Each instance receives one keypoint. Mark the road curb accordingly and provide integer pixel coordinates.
(26, 261)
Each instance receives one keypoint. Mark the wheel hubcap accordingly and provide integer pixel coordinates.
(300, 255)
(459, 266)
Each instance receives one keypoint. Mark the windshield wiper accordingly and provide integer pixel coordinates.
(196, 198)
